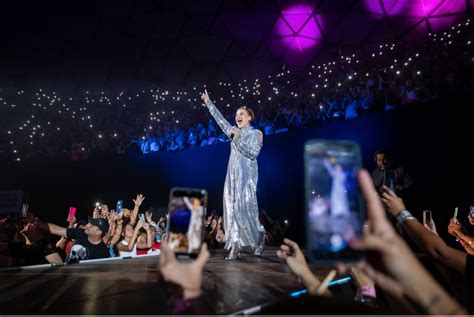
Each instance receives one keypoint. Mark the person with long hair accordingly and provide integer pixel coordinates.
(241, 223)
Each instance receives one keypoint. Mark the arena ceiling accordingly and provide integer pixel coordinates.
(200, 41)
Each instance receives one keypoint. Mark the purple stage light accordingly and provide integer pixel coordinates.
(297, 28)
(415, 8)
(440, 14)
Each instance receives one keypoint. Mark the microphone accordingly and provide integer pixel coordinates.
(231, 134)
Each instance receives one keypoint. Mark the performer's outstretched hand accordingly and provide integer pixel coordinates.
(205, 96)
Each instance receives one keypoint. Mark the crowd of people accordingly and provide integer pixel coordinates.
(106, 233)
(390, 271)
(101, 122)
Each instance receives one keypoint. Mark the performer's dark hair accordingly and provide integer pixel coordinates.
(250, 112)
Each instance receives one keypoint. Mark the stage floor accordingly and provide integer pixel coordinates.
(132, 287)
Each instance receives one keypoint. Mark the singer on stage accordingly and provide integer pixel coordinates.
(241, 223)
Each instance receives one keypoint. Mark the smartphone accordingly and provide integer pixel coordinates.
(455, 217)
(334, 206)
(24, 210)
(72, 212)
(141, 217)
(388, 180)
(427, 216)
(185, 226)
(119, 206)
(471, 210)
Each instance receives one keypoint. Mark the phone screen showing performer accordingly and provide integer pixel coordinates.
(187, 209)
(334, 206)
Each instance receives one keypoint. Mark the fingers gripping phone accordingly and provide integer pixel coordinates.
(185, 227)
(334, 205)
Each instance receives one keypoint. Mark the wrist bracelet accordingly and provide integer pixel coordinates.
(404, 215)
(367, 291)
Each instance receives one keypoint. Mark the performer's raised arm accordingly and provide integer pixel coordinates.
(329, 167)
(221, 121)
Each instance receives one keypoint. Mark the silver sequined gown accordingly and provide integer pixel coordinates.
(241, 223)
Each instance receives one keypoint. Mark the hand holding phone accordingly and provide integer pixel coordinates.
(141, 217)
(426, 216)
(428, 221)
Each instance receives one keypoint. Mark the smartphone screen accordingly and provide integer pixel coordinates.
(119, 206)
(471, 210)
(388, 180)
(24, 210)
(141, 217)
(185, 227)
(455, 216)
(72, 212)
(334, 206)
(427, 217)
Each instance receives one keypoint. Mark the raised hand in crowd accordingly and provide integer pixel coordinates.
(394, 203)
(96, 213)
(104, 211)
(391, 263)
(460, 233)
(429, 224)
(139, 200)
(291, 253)
(112, 216)
(72, 221)
(454, 228)
(148, 216)
(470, 218)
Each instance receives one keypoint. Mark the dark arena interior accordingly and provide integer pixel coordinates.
(236, 157)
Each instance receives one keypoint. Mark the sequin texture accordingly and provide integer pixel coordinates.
(241, 222)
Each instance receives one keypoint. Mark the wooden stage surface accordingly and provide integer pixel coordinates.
(131, 286)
